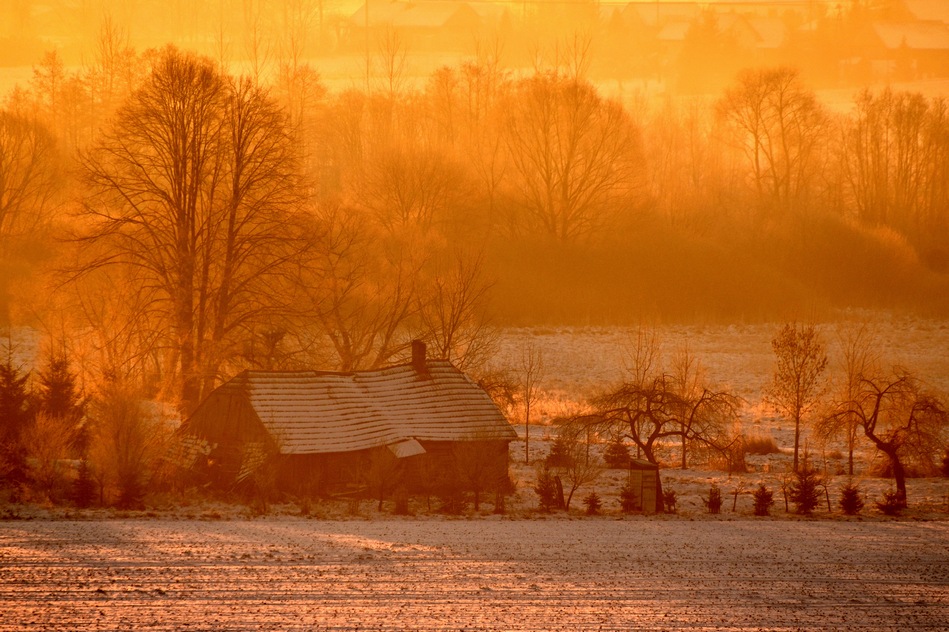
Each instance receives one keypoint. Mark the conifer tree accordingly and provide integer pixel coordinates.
(15, 416)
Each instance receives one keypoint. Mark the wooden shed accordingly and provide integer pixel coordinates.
(327, 431)
(644, 480)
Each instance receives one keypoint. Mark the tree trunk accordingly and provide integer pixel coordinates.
(797, 438)
(899, 475)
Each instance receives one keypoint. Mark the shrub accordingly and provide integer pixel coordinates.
(851, 501)
(616, 454)
(593, 503)
(451, 501)
(669, 499)
(732, 458)
(805, 489)
(84, 487)
(628, 499)
(559, 453)
(759, 444)
(546, 488)
(890, 505)
(764, 499)
(713, 502)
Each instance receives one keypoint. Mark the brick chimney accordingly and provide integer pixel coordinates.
(418, 357)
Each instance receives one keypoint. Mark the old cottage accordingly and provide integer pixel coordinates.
(414, 424)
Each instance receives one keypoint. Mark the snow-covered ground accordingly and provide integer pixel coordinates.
(579, 361)
(488, 574)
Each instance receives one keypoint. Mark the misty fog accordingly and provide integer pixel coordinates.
(187, 189)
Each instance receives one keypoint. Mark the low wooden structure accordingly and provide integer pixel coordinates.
(411, 425)
(644, 481)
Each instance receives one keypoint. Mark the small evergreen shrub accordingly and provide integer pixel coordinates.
(713, 502)
(593, 503)
(764, 500)
(546, 488)
(628, 498)
(805, 489)
(851, 500)
(616, 454)
(84, 487)
(559, 453)
(669, 499)
(890, 505)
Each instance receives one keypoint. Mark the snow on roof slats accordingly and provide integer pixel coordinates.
(316, 412)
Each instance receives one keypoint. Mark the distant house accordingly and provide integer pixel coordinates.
(433, 25)
(912, 50)
(329, 431)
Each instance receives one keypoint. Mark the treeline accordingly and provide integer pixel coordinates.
(189, 222)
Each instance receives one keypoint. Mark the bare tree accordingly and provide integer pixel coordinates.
(531, 371)
(779, 127)
(407, 185)
(30, 180)
(688, 377)
(896, 164)
(573, 155)
(362, 289)
(452, 312)
(127, 439)
(859, 359)
(798, 382)
(577, 466)
(193, 188)
(899, 418)
(476, 464)
(653, 410)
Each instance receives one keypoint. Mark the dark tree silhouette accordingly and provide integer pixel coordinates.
(798, 381)
(899, 418)
(192, 188)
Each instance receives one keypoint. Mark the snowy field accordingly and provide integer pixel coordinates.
(284, 573)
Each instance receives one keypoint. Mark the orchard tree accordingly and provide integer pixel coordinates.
(654, 410)
(900, 419)
(798, 382)
(859, 359)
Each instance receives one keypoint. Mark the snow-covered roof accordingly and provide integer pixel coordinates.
(928, 9)
(771, 32)
(311, 412)
(915, 35)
